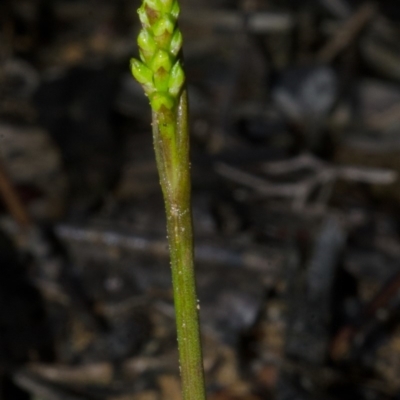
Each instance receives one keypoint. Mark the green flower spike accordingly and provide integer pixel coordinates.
(160, 41)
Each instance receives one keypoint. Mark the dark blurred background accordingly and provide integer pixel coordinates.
(295, 132)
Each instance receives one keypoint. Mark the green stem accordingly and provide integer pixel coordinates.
(171, 143)
(160, 72)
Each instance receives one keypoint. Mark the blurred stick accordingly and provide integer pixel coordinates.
(78, 375)
(337, 7)
(41, 389)
(359, 174)
(251, 258)
(347, 33)
(258, 22)
(12, 200)
(322, 174)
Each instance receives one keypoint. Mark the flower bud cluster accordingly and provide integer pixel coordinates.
(159, 69)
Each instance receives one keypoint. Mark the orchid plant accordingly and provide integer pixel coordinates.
(160, 72)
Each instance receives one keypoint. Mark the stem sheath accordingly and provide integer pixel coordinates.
(171, 144)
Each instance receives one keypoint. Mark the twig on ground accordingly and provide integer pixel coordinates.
(42, 389)
(323, 175)
(13, 201)
(227, 256)
(347, 33)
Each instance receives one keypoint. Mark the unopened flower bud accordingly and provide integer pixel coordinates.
(176, 79)
(175, 10)
(147, 45)
(176, 42)
(141, 73)
(160, 100)
(163, 25)
(161, 60)
(166, 6)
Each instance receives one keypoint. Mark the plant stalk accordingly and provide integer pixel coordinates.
(171, 144)
(160, 72)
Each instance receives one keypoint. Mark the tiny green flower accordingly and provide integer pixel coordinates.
(176, 79)
(163, 25)
(154, 4)
(161, 60)
(162, 6)
(143, 75)
(176, 42)
(143, 17)
(163, 30)
(160, 100)
(147, 45)
(175, 10)
(166, 6)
